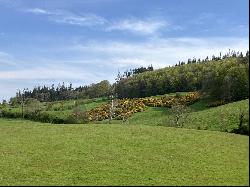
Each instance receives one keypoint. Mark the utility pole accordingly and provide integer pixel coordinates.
(111, 108)
(22, 102)
(113, 95)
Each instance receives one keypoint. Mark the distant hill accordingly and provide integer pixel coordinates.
(222, 78)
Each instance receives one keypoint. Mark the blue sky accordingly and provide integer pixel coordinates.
(86, 41)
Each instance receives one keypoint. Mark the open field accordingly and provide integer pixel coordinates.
(34, 153)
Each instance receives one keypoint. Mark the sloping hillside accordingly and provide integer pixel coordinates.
(221, 118)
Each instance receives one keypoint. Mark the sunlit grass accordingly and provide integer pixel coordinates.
(34, 153)
(225, 117)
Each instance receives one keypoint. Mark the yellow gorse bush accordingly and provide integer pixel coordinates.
(124, 108)
(168, 101)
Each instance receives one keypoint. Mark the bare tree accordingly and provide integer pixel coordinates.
(33, 106)
(179, 114)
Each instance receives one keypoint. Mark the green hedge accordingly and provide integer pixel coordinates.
(35, 116)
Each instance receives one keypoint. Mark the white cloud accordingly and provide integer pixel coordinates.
(125, 62)
(84, 20)
(134, 25)
(47, 73)
(39, 11)
(4, 54)
(6, 59)
(66, 17)
(159, 52)
(149, 26)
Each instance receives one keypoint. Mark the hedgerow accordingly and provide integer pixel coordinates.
(123, 108)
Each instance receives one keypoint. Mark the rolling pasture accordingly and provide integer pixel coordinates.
(34, 153)
(146, 149)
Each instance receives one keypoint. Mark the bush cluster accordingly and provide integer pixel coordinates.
(78, 115)
(169, 101)
(35, 116)
(124, 108)
(241, 129)
(243, 126)
(10, 114)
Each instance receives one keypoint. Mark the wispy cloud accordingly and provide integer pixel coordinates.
(6, 60)
(83, 20)
(47, 69)
(3, 54)
(66, 17)
(138, 26)
(134, 25)
(39, 11)
(158, 51)
(124, 62)
(45, 73)
(18, 74)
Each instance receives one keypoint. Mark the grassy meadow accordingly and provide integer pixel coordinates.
(34, 153)
(146, 149)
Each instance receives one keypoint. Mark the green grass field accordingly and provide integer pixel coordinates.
(34, 153)
(221, 118)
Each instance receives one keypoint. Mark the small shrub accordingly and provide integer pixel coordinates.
(243, 127)
(83, 101)
(49, 106)
(58, 120)
(46, 117)
(11, 114)
(179, 114)
(177, 95)
(216, 103)
(78, 115)
(33, 106)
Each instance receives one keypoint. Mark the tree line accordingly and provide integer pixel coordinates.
(223, 77)
(62, 92)
(220, 78)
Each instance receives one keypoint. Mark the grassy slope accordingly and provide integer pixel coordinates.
(217, 118)
(220, 118)
(33, 153)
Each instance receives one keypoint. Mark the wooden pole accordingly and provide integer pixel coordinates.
(22, 105)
